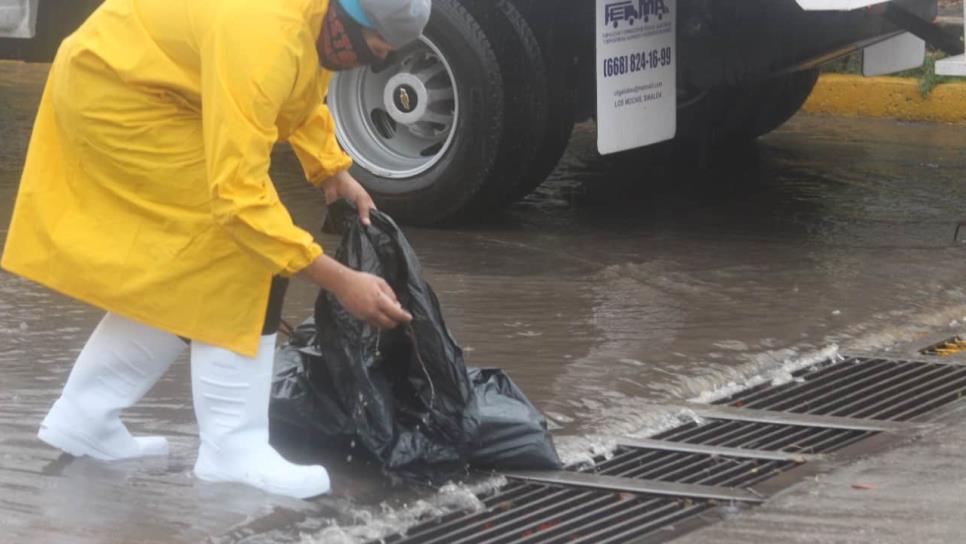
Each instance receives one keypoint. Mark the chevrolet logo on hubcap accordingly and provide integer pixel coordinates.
(405, 98)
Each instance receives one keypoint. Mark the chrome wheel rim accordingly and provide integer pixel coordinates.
(397, 119)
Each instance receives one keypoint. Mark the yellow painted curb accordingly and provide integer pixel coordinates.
(895, 97)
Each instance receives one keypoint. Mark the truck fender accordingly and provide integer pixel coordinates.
(837, 5)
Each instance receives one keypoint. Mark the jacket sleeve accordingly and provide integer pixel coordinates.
(249, 65)
(318, 149)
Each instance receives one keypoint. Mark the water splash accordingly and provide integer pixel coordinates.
(375, 524)
(762, 370)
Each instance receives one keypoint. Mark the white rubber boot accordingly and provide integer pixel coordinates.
(118, 365)
(231, 394)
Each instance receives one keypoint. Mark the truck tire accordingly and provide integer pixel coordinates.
(748, 111)
(526, 111)
(562, 105)
(456, 146)
(561, 94)
(764, 107)
(425, 165)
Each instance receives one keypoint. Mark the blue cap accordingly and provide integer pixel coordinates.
(397, 21)
(354, 9)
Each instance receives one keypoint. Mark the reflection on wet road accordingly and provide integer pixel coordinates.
(617, 286)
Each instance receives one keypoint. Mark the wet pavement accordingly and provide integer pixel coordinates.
(618, 286)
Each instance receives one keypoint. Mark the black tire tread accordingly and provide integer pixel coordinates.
(450, 195)
(525, 88)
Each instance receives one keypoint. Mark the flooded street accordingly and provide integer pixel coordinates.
(615, 288)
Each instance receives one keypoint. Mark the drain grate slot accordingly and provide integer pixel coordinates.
(644, 520)
(863, 388)
(635, 485)
(717, 451)
(765, 436)
(690, 468)
(812, 383)
(912, 401)
(553, 514)
(875, 392)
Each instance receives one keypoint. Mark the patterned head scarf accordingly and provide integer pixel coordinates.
(341, 45)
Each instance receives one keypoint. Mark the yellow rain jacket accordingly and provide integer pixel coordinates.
(146, 189)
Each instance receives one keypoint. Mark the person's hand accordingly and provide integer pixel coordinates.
(369, 298)
(365, 296)
(343, 185)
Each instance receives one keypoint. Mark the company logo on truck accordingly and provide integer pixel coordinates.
(631, 11)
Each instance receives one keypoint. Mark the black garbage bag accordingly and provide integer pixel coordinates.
(512, 433)
(404, 395)
(302, 390)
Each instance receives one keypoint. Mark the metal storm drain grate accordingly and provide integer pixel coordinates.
(862, 388)
(767, 436)
(949, 346)
(693, 467)
(651, 490)
(531, 512)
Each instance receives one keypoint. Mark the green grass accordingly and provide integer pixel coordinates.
(926, 74)
(928, 79)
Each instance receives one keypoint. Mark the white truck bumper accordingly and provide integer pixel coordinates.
(18, 18)
(954, 66)
(837, 5)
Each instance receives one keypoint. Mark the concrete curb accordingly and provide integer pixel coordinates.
(895, 97)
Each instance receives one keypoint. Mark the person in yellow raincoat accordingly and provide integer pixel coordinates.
(146, 193)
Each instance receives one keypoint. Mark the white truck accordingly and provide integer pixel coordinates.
(477, 113)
